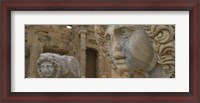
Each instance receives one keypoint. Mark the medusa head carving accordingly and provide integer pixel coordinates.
(56, 66)
(137, 49)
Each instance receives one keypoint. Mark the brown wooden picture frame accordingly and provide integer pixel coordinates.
(193, 96)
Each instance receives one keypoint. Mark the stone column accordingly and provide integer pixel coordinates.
(99, 65)
(83, 41)
(35, 51)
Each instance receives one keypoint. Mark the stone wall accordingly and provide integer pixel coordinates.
(64, 41)
(46, 38)
(87, 39)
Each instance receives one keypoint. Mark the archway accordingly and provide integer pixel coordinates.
(91, 63)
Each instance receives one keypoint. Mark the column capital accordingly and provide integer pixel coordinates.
(83, 29)
(82, 32)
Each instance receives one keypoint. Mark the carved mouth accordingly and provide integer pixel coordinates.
(120, 64)
(120, 61)
(46, 72)
(46, 75)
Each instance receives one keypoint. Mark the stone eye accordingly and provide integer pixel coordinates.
(125, 33)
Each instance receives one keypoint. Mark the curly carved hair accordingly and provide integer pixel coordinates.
(162, 38)
(54, 59)
(65, 66)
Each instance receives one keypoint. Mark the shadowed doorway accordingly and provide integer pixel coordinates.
(91, 65)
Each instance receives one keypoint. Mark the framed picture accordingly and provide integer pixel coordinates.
(143, 51)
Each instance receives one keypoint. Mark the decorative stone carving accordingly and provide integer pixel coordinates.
(56, 66)
(91, 41)
(139, 50)
(46, 38)
(60, 40)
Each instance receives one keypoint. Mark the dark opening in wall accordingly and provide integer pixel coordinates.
(91, 64)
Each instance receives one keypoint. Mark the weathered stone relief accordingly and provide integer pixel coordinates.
(139, 51)
(123, 51)
(46, 38)
(56, 66)
(91, 41)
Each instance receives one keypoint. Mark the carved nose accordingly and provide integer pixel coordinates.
(118, 55)
(44, 70)
(118, 47)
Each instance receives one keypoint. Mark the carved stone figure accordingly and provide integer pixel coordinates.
(139, 51)
(56, 66)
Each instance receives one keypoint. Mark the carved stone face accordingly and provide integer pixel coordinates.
(129, 47)
(46, 69)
